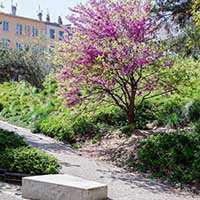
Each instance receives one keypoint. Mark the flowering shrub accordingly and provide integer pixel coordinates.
(114, 55)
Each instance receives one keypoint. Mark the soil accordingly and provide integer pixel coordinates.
(116, 147)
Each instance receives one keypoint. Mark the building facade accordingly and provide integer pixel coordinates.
(16, 31)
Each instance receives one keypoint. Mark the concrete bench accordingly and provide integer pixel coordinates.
(62, 187)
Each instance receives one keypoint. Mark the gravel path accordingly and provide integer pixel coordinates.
(121, 185)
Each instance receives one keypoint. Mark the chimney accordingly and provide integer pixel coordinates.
(60, 20)
(48, 18)
(40, 15)
(14, 10)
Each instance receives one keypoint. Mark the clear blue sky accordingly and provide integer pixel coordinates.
(29, 8)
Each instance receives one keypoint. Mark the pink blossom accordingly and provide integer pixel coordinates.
(114, 49)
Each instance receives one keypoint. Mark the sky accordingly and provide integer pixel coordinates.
(29, 8)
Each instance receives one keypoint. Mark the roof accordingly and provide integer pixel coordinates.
(53, 24)
(30, 19)
(20, 17)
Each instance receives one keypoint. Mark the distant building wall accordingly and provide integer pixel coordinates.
(15, 31)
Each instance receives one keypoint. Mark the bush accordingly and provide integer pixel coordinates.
(194, 110)
(145, 114)
(128, 130)
(29, 161)
(10, 140)
(111, 116)
(83, 127)
(196, 126)
(175, 156)
(58, 127)
(169, 112)
(17, 156)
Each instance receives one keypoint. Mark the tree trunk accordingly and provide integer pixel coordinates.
(131, 111)
(132, 118)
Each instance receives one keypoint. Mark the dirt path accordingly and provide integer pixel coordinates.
(121, 185)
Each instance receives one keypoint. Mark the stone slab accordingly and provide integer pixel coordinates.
(62, 187)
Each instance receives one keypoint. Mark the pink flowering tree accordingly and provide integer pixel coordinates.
(114, 55)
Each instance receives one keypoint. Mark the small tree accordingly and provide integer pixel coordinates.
(114, 55)
(30, 63)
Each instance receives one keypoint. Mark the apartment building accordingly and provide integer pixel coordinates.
(15, 31)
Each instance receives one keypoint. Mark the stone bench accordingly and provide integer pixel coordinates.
(62, 187)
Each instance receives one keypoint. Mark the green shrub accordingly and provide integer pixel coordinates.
(17, 156)
(96, 138)
(66, 135)
(35, 126)
(177, 111)
(29, 161)
(83, 126)
(170, 111)
(58, 127)
(111, 116)
(194, 110)
(175, 156)
(145, 114)
(128, 130)
(41, 113)
(196, 126)
(10, 140)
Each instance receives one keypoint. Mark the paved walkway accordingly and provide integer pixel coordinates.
(9, 192)
(121, 185)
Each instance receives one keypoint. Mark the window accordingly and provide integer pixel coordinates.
(6, 26)
(27, 30)
(6, 43)
(18, 45)
(34, 32)
(52, 33)
(19, 29)
(70, 36)
(61, 35)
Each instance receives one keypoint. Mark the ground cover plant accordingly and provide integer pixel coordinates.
(43, 111)
(17, 156)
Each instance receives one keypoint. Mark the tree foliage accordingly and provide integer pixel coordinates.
(178, 11)
(186, 43)
(114, 55)
(177, 18)
(29, 63)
